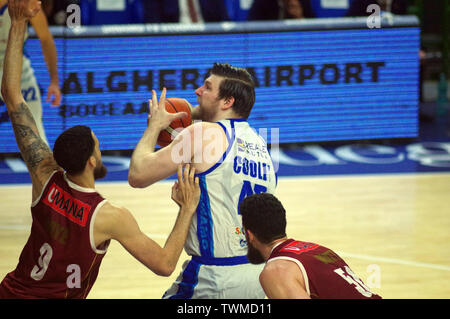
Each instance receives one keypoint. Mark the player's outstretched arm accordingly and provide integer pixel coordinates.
(35, 152)
(119, 224)
(40, 25)
(282, 279)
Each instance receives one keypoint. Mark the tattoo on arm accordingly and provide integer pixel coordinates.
(33, 149)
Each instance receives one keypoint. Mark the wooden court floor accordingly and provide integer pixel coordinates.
(393, 230)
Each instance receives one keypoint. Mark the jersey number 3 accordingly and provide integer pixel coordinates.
(38, 271)
(248, 190)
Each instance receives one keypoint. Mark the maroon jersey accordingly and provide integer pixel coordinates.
(326, 275)
(60, 259)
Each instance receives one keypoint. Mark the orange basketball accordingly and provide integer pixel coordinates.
(175, 105)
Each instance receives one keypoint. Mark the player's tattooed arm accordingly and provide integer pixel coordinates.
(33, 149)
(35, 152)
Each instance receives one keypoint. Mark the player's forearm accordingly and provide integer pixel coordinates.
(51, 58)
(142, 159)
(12, 65)
(177, 238)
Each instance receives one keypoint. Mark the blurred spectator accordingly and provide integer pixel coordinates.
(157, 11)
(330, 8)
(56, 10)
(358, 8)
(100, 12)
(185, 11)
(238, 9)
(283, 9)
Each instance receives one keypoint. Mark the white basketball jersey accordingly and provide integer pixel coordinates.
(5, 25)
(246, 168)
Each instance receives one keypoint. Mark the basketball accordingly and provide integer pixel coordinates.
(175, 105)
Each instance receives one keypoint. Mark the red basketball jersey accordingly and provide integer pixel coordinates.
(326, 275)
(60, 259)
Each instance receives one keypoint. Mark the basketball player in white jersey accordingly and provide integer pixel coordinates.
(232, 162)
(29, 85)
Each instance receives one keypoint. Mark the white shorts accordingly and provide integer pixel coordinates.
(206, 281)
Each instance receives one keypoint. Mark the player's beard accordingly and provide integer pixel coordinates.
(253, 255)
(100, 171)
(207, 113)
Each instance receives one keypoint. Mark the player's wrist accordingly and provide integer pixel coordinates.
(187, 209)
(155, 125)
(18, 23)
(152, 133)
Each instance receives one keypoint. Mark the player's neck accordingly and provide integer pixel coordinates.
(269, 248)
(2, 3)
(228, 114)
(275, 243)
(85, 180)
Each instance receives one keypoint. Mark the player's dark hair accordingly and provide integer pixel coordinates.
(73, 148)
(264, 215)
(237, 83)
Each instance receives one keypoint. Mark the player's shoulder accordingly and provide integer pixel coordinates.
(279, 268)
(203, 129)
(41, 174)
(111, 209)
(204, 125)
(271, 272)
(110, 216)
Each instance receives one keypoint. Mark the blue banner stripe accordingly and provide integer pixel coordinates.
(365, 81)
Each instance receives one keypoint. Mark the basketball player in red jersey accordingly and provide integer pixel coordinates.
(72, 223)
(294, 269)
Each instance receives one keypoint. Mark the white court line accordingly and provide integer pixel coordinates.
(340, 253)
(394, 261)
(364, 175)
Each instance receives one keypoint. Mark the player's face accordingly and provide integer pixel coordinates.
(294, 9)
(100, 170)
(207, 97)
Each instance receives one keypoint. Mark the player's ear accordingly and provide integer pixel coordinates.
(250, 236)
(92, 161)
(228, 103)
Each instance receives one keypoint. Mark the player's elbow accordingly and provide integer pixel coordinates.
(140, 174)
(6, 92)
(164, 269)
(136, 181)
(165, 272)
(166, 263)
(10, 95)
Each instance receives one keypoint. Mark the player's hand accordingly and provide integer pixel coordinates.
(186, 191)
(158, 118)
(23, 10)
(55, 92)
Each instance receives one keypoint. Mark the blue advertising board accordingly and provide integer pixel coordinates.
(319, 80)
